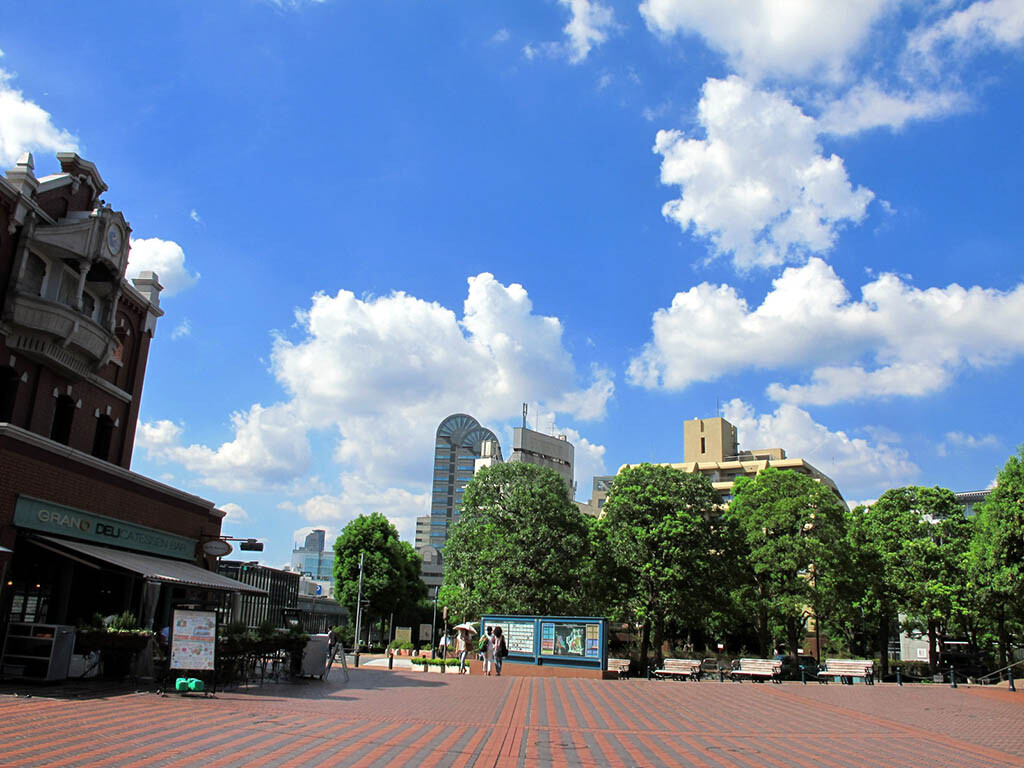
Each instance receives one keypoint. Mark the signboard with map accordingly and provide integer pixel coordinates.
(558, 640)
(578, 639)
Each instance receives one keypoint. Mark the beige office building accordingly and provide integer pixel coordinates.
(711, 447)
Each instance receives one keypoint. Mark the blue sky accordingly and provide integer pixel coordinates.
(367, 216)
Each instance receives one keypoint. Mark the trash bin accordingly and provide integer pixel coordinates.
(314, 657)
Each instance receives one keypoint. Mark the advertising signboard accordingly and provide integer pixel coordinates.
(403, 634)
(577, 639)
(560, 640)
(193, 638)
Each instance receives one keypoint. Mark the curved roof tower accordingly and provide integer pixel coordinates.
(459, 442)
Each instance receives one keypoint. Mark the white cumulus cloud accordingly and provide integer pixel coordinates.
(797, 38)
(856, 465)
(27, 127)
(588, 27)
(868, 105)
(896, 340)
(361, 497)
(980, 25)
(166, 259)
(378, 374)
(758, 186)
(235, 513)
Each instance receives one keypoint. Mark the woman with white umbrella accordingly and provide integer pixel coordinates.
(462, 644)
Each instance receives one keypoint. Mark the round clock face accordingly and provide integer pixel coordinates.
(114, 239)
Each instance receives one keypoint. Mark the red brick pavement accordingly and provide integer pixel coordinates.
(383, 718)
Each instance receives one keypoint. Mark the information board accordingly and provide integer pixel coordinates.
(193, 638)
(426, 632)
(563, 641)
(403, 634)
(576, 639)
(518, 636)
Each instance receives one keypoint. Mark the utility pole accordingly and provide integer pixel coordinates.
(359, 607)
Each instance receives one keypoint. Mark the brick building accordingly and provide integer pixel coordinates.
(80, 533)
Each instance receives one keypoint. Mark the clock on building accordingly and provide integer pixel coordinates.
(114, 239)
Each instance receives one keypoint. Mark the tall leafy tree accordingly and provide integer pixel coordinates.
(391, 568)
(657, 530)
(998, 551)
(521, 545)
(789, 540)
(914, 542)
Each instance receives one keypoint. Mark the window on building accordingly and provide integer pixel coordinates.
(88, 304)
(35, 274)
(68, 288)
(104, 432)
(63, 415)
(8, 392)
(703, 445)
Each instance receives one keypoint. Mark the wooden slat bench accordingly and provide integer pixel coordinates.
(756, 669)
(679, 669)
(847, 669)
(619, 665)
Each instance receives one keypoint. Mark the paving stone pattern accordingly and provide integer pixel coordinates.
(383, 718)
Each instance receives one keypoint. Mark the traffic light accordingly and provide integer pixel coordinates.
(251, 545)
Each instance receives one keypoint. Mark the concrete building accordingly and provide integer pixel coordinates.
(711, 447)
(555, 453)
(598, 496)
(313, 560)
(80, 533)
(432, 570)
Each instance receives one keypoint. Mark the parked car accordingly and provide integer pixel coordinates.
(791, 671)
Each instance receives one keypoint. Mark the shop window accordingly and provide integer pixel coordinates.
(104, 432)
(63, 415)
(29, 602)
(35, 274)
(8, 392)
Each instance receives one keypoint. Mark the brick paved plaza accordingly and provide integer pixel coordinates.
(411, 718)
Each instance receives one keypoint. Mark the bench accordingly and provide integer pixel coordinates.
(757, 669)
(847, 669)
(619, 665)
(679, 669)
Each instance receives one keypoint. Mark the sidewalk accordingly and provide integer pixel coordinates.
(405, 718)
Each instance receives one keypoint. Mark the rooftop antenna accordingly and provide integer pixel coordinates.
(525, 409)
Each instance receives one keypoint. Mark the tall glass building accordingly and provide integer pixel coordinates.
(459, 442)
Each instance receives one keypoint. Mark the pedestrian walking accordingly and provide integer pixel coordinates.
(333, 638)
(487, 651)
(462, 641)
(499, 649)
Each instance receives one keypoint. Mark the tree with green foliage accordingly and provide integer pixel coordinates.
(657, 528)
(998, 551)
(912, 545)
(787, 537)
(521, 545)
(391, 568)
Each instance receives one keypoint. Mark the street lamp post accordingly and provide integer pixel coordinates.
(433, 624)
(359, 608)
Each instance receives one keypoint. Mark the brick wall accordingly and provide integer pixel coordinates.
(29, 470)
